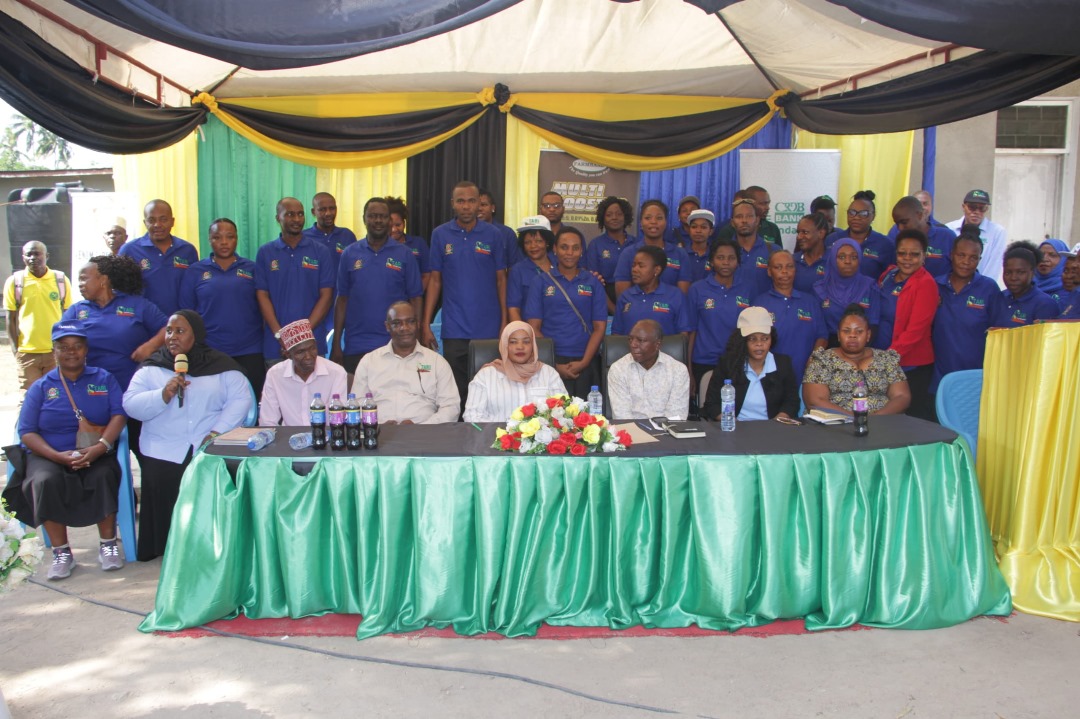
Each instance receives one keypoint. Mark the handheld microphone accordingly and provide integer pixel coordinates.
(180, 366)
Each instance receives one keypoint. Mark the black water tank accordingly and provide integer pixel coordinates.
(42, 214)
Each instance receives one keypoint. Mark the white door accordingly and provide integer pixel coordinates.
(1027, 193)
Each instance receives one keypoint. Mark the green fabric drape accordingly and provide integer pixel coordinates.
(892, 538)
(244, 183)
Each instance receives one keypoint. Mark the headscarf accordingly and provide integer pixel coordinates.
(517, 372)
(842, 290)
(1051, 282)
(202, 360)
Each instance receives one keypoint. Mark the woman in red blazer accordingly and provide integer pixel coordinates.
(907, 315)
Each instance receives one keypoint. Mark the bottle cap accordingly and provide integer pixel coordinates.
(595, 388)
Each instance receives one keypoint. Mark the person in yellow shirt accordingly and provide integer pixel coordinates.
(34, 299)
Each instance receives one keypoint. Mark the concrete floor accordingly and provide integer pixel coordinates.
(63, 656)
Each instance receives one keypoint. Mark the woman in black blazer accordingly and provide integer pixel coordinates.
(774, 392)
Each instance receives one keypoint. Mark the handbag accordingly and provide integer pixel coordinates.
(89, 433)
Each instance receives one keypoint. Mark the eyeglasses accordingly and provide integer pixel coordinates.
(976, 207)
(551, 205)
(858, 213)
(907, 255)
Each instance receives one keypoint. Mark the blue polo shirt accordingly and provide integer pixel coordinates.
(878, 252)
(603, 254)
(161, 271)
(47, 411)
(520, 278)
(960, 325)
(677, 270)
(754, 265)
(870, 301)
(420, 250)
(807, 274)
(511, 250)
(699, 264)
(712, 311)
(469, 261)
(371, 281)
(546, 303)
(799, 322)
(1070, 306)
(939, 250)
(293, 278)
(226, 301)
(890, 295)
(676, 235)
(116, 330)
(1027, 309)
(666, 305)
(335, 242)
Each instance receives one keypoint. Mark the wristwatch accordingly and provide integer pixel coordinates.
(108, 445)
(277, 335)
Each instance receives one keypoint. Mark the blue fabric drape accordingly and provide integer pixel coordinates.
(713, 182)
(929, 158)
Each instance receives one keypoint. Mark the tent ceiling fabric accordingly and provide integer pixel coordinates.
(667, 47)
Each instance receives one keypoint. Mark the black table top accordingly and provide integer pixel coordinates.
(462, 439)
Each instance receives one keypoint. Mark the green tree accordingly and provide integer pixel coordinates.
(36, 143)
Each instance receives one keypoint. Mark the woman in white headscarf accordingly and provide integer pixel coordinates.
(517, 379)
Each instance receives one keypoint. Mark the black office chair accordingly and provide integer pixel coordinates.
(483, 351)
(618, 346)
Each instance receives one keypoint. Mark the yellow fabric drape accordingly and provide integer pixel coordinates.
(522, 169)
(881, 163)
(352, 188)
(1029, 463)
(170, 174)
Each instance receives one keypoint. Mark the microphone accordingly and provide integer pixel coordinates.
(180, 366)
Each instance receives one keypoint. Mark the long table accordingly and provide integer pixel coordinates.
(728, 531)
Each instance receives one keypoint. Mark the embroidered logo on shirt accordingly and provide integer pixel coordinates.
(206, 275)
(54, 296)
(606, 255)
(549, 291)
(625, 308)
(274, 266)
(870, 252)
(742, 302)
(865, 302)
(825, 303)
(144, 263)
(762, 263)
(122, 311)
(309, 264)
(416, 252)
(803, 316)
(934, 253)
(584, 290)
(896, 290)
(180, 263)
(710, 304)
(53, 393)
(821, 270)
(975, 303)
(97, 390)
(1019, 317)
(448, 249)
(661, 307)
(82, 314)
(421, 367)
(673, 263)
(245, 274)
(339, 248)
(482, 249)
(392, 264)
(358, 265)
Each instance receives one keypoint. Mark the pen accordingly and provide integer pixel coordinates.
(478, 427)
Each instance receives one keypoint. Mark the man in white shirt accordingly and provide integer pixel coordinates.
(648, 383)
(291, 385)
(994, 237)
(410, 383)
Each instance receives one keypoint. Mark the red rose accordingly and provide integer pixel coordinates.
(624, 438)
(577, 450)
(553, 402)
(515, 445)
(506, 441)
(568, 437)
(556, 447)
(516, 435)
(528, 410)
(583, 420)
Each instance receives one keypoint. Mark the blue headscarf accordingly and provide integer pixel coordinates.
(1051, 282)
(839, 290)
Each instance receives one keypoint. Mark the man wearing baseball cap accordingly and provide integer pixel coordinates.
(994, 237)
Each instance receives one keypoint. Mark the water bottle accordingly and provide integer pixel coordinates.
(300, 440)
(354, 433)
(318, 422)
(727, 407)
(860, 410)
(596, 401)
(369, 421)
(337, 423)
(261, 438)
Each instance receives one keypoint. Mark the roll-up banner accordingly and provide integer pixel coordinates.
(583, 185)
(793, 178)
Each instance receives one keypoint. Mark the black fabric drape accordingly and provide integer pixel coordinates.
(478, 153)
(658, 137)
(56, 93)
(279, 34)
(1046, 27)
(975, 85)
(354, 134)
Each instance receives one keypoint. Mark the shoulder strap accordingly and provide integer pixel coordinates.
(584, 324)
(78, 412)
(61, 286)
(18, 276)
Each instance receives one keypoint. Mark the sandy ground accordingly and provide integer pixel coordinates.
(71, 649)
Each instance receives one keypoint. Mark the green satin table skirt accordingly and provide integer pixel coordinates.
(888, 538)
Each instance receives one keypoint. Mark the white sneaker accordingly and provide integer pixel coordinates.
(109, 556)
(62, 564)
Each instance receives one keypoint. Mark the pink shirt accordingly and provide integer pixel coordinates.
(286, 398)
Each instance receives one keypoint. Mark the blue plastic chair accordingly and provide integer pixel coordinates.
(958, 398)
(252, 418)
(125, 501)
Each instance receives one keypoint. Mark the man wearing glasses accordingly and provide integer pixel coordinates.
(551, 207)
(994, 237)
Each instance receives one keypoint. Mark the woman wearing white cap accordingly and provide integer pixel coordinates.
(536, 240)
(765, 383)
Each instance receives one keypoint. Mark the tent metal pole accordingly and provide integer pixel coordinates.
(749, 54)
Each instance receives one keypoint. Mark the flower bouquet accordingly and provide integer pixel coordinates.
(20, 551)
(559, 425)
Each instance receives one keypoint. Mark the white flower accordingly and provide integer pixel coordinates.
(566, 423)
(9, 527)
(526, 445)
(512, 425)
(609, 446)
(558, 413)
(544, 436)
(31, 550)
(8, 548)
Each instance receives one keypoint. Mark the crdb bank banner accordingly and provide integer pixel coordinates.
(583, 185)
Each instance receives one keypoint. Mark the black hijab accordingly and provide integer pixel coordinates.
(202, 359)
